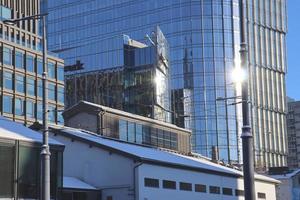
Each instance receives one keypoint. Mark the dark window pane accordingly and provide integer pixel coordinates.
(185, 186)
(239, 192)
(261, 195)
(51, 91)
(150, 182)
(6, 170)
(28, 172)
(200, 188)
(214, 190)
(169, 184)
(227, 191)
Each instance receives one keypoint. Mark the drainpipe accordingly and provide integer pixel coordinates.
(134, 179)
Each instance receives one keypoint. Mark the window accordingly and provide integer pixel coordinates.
(131, 132)
(200, 188)
(60, 73)
(51, 70)
(123, 130)
(185, 186)
(7, 104)
(261, 195)
(52, 114)
(40, 88)
(60, 94)
(30, 86)
(20, 83)
(19, 60)
(28, 179)
(51, 91)
(8, 83)
(39, 111)
(169, 184)
(7, 56)
(239, 192)
(214, 190)
(19, 106)
(150, 182)
(6, 171)
(139, 133)
(39, 67)
(227, 191)
(30, 111)
(30, 63)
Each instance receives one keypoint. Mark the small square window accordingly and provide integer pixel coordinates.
(150, 182)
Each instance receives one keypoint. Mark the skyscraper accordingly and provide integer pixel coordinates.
(204, 49)
(21, 67)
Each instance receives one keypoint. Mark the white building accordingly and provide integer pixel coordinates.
(124, 171)
(289, 188)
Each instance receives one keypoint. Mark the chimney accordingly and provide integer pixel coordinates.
(214, 154)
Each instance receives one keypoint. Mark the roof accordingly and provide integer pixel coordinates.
(16, 131)
(286, 176)
(74, 183)
(153, 155)
(83, 105)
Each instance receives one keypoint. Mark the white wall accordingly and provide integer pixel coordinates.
(178, 175)
(104, 170)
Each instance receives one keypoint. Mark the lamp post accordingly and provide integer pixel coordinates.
(247, 138)
(45, 151)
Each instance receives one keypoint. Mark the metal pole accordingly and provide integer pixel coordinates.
(247, 138)
(45, 152)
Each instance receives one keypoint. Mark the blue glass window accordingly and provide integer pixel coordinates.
(30, 109)
(51, 91)
(40, 88)
(5, 13)
(60, 73)
(60, 94)
(139, 133)
(131, 132)
(30, 86)
(51, 70)
(19, 106)
(52, 113)
(7, 56)
(30, 63)
(7, 104)
(19, 60)
(39, 67)
(8, 83)
(123, 130)
(39, 111)
(20, 83)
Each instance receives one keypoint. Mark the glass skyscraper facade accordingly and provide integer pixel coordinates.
(203, 36)
(21, 67)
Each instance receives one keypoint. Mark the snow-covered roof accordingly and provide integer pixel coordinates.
(286, 176)
(74, 183)
(16, 131)
(155, 155)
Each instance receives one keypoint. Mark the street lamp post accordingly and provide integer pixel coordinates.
(247, 138)
(45, 151)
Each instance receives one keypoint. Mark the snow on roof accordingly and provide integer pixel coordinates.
(17, 131)
(286, 176)
(158, 155)
(74, 183)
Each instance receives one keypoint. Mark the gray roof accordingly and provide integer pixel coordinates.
(155, 155)
(16, 131)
